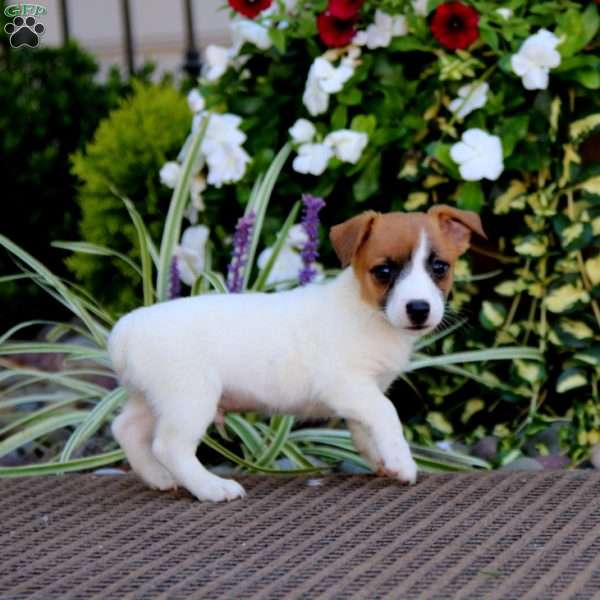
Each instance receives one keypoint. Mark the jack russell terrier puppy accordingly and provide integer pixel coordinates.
(325, 350)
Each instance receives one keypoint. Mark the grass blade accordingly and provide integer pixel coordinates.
(96, 250)
(51, 468)
(511, 353)
(282, 425)
(47, 425)
(72, 301)
(261, 280)
(93, 421)
(172, 229)
(260, 203)
(145, 244)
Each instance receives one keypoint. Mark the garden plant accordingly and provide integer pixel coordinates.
(391, 105)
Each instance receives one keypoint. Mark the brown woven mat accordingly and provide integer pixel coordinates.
(498, 535)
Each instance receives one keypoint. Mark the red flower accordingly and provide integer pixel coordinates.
(344, 9)
(335, 32)
(250, 8)
(455, 25)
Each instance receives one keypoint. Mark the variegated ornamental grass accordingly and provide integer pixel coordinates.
(83, 408)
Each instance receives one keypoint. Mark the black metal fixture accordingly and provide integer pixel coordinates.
(191, 62)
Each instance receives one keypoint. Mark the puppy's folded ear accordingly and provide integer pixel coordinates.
(349, 236)
(457, 224)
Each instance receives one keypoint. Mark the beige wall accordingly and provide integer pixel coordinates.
(158, 28)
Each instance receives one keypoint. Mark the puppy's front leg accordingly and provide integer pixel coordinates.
(375, 417)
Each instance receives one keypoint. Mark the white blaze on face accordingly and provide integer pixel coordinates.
(415, 284)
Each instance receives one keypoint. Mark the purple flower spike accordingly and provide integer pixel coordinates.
(310, 224)
(239, 254)
(174, 281)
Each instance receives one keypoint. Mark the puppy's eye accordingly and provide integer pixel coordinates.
(439, 268)
(382, 273)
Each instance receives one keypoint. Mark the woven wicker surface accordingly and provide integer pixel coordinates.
(497, 535)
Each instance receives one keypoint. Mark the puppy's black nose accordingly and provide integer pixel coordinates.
(418, 311)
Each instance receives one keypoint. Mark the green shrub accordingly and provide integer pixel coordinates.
(50, 105)
(539, 277)
(125, 157)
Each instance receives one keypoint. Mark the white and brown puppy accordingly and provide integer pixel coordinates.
(328, 349)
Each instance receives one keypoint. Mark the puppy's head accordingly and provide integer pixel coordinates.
(404, 261)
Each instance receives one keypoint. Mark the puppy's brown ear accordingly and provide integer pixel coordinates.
(457, 224)
(349, 236)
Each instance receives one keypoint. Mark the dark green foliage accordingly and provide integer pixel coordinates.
(50, 104)
(125, 156)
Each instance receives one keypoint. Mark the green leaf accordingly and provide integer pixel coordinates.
(350, 97)
(513, 130)
(259, 202)
(282, 425)
(508, 353)
(278, 37)
(93, 421)
(441, 152)
(75, 303)
(39, 429)
(577, 29)
(364, 123)
(146, 247)
(571, 379)
(492, 315)
(53, 468)
(339, 117)
(565, 298)
(179, 200)
(470, 196)
(261, 280)
(368, 182)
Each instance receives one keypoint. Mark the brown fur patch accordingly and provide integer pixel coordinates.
(372, 239)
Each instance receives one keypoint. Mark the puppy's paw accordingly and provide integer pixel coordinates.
(404, 469)
(158, 478)
(217, 489)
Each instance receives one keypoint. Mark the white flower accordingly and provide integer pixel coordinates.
(312, 158)
(535, 58)
(505, 13)
(470, 97)
(315, 99)
(222, 129)
(196, 205)
(330, 78)
(170, 173)
(222, 147)
(302, 131)
(287, 264)
(246, 30)
(195, 101)
(420, 7)
(324, 79)
(216, 61)
(296, 237)
(226, 164)
(479, 155)
(347, 145)
(380, 33)
(190, 254)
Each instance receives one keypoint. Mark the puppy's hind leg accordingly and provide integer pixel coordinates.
(134, 430)
(178, 433)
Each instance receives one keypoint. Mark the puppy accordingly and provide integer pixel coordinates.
(326, 350)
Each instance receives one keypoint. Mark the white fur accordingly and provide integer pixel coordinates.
(313, 351)
(416, 284)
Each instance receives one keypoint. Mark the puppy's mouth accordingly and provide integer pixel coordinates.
(418, 327)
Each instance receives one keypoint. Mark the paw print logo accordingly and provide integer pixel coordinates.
(24, 32)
